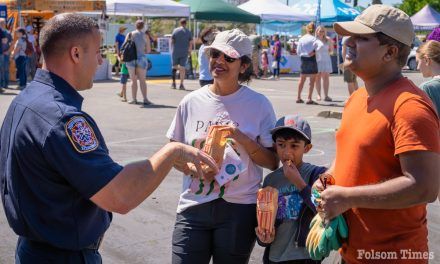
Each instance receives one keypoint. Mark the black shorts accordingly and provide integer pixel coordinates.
(309, 65)
(218, 229)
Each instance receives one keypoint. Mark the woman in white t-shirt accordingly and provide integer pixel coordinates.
(216, 217)
(309, 68)
(323, 49)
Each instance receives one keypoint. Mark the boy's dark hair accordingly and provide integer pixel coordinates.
(404, 50)
(65, 30)
(287, 133)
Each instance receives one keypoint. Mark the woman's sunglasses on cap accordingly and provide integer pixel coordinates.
(215, 54)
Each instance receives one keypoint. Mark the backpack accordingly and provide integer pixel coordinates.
(128, 50)
(29, 49)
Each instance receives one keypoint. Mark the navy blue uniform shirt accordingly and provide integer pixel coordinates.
(53, 158)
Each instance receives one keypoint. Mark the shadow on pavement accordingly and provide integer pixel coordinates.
(151, 106)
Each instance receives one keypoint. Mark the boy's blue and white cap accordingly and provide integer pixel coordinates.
(295, 122)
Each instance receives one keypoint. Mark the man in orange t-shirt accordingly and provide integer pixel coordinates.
(387, 148)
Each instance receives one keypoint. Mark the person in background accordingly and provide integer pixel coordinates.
(428, 58)
(19, 55)
(6, 40)
(276, 53)
(256, 47)
(324, 47)
(264, 63)
(217, 220)
(434, 35)
(349, 77)
(206, 36)
(137, 69)
(119, 40)
(181, 41)
(31, 63)
(309, 68)
(123, 81)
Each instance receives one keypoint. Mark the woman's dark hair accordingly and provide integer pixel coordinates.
(403, 52)
(287, 133)
(246, 76)
(205, 32)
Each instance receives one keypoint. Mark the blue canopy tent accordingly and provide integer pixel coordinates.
(329, 11)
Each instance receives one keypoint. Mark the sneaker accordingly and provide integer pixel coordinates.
(123, 100)
(328, 99)
(181, 87)
(299, 101)
(119, 94)
(173, 86)
(133, 102)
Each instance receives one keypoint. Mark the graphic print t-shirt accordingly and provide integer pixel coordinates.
(246, 109)
(290, 202)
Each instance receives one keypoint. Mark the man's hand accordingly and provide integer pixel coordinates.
(265, 236)
(334, 201)
(293, 175)
(188, 154)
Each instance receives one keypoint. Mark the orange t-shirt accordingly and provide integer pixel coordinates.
(373, 132)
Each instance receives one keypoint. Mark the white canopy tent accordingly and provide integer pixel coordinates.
(274, 10)
(147, 8)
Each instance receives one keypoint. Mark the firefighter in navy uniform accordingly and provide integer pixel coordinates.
(58, 182)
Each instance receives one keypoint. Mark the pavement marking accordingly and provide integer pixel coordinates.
(154, 81)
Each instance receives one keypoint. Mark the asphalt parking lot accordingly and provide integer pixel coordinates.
(134, 132)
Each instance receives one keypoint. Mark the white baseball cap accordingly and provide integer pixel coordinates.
(234, 43)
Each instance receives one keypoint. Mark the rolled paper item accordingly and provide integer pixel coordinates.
(267, 206)
(215, 143)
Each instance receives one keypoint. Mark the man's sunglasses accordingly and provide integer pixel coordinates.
(215, 54)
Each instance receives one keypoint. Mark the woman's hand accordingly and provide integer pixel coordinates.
(235, 134)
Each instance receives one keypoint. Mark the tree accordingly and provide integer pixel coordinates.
(413, 6)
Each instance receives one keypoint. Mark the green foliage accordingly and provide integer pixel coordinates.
(413, 6)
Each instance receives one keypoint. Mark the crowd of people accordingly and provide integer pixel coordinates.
(24, 49)
(385, 171)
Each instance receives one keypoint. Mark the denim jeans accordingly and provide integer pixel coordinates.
(20, 63)
(4, 71)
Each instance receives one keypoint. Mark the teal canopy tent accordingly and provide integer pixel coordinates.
(217, 10)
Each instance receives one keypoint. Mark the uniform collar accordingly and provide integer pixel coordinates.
(67, 92)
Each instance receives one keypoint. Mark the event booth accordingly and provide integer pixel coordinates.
(285, 19)
(159, 63)
(426, 19)
(34, 13)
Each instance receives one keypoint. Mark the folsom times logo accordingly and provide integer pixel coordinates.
(402, 254)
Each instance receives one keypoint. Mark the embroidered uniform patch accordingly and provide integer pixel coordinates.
(81, 134)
